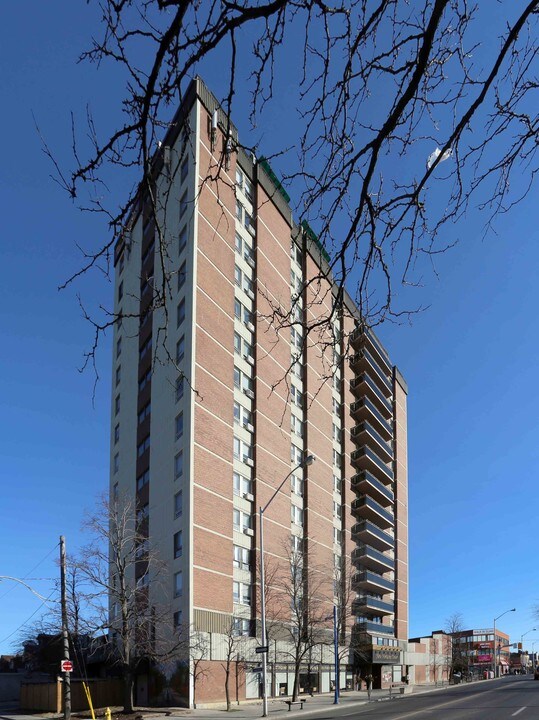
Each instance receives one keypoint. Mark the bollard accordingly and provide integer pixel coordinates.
(107, 714)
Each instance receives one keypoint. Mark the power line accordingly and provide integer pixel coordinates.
(28, 619)
(26, 577)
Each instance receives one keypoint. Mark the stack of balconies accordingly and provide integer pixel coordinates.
(373, 482)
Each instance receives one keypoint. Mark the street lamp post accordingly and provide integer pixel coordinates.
(494, 663)
(521, 641)
(309, 459)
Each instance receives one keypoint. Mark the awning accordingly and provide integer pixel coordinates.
(503, 662)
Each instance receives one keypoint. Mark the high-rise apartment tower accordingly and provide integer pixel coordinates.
(215, 402)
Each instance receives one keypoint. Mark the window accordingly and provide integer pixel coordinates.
(242, 450)
(239, 211)
(296, 544)
(145, 379)
(149, 251)
(296, 454)
(242, 558)
(296, 396)
(336, 483)
(239, 178)
(178, 546)
(179, 387)
(180, 349)
(238, 276)
(242, 485)
(295, 253)
(239, 244)
(118, 375)
(247, 219)
(296, 425)
(184, 171)
(336, 433)
(142, 581)
(177, 619)
(143, 446)
(179, 425)
(243, 417)
(121, 263)
(183, 239)
(178, 584)
(116, 463)
(143, 513)
(145, 348)
(120, 291)
(178, 504)
(296, 515)
(337, 510)
(241, 520)
(296, 485)
(337, 536)
(117, 405)
(118, 347)
(336, 406)
(248, 189)
(183, 205)
(142, 548)
(117, 434)
(241, 380)
(145, 412)
(178, 465)
(241, 593)
(237, 343)
(240, 627)
(337, 459)
(143, 479)
(296, 338)
(180, 313)
(182, 274)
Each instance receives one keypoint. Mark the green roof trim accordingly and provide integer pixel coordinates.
(274, 179)
(314, 237)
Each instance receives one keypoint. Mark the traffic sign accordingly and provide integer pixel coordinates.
(262, 649)
(66, 666)
(257, 669)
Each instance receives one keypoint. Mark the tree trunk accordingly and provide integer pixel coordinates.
(295, 688)
(227, 689)
(128, 689)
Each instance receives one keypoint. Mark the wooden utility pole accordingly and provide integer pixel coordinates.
(65, 637)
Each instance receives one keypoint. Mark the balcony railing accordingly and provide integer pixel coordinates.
(367, 603)
(364, 409)
(363, 360)
(362, 337)
(364, 385)
(366, 459)
(365, 507)
(373, 535)
(365, 433)
(369, 557)
(370, 580)
(366, 483)
(375, 628)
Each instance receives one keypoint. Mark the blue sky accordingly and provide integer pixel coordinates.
(470, 361)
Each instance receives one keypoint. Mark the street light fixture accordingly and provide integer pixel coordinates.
(309, 459)
(494, 663)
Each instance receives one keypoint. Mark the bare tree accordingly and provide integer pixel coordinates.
(304, 591)
(198, 649)
(122, 577)
(233, 642)
(454, 625)
(406, 122)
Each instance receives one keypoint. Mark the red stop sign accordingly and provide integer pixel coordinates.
(66, 666)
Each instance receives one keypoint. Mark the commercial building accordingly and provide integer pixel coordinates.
(429, 659)
(476, 647)
(216, 400)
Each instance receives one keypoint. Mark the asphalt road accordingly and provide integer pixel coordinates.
(510, 697)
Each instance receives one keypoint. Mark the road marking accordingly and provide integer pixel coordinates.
(518, 711)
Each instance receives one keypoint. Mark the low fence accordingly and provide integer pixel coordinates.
(48, 696)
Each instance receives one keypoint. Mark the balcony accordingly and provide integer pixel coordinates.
(364, 361)
(365, 434)
(366, 483)
(364, 409)
(365, 508)
(369, 533)
(372, 582)
(375, 628)
(366, 459)
(373, 606)
(370, 558)
(362, 337)
(364, 386)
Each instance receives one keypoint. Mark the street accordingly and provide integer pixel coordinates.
(512, 696)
